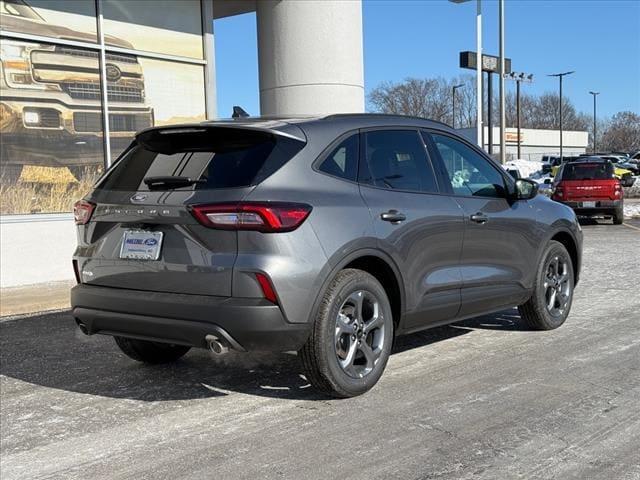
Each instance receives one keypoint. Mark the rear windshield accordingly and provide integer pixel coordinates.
(214, 158)
(587, 171)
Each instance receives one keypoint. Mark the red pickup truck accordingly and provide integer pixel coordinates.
(588, 185)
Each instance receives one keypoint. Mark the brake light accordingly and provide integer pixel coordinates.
(82, 211)
(268, 217)
(617, 190)
(267, 289)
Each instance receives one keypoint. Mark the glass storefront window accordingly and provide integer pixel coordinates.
(51, 18)
(51, 105)
(171, 93)
(47, 158)
(168, 27)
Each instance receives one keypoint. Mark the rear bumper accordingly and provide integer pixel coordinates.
(603, 207)
(250, 324)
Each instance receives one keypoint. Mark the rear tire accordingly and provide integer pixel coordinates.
(351, 338)
(150, 352)
(618, 217)
(550, 303)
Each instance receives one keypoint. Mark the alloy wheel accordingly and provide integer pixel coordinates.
(359, 334)
(557, 286)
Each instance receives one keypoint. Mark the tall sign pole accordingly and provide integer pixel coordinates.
(491, 65)
(595, 94)
(479, 99)
(503, 152)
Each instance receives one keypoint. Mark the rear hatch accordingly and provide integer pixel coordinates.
(142, 234)
(587, 181)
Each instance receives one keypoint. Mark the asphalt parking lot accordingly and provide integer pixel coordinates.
(484, 399)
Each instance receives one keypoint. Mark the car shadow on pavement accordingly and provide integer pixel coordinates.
(506, 320)
(49, 350)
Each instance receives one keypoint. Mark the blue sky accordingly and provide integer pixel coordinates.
(599, 39)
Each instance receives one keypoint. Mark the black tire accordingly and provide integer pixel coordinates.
(618, 217)
(535, 311)
(320, 356)
(150, 352)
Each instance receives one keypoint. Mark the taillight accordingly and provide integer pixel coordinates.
(267, 289)
(82, 211)
(267, 217)
(617, 190)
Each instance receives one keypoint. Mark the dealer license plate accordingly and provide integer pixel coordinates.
(141, 245)
(589, 204)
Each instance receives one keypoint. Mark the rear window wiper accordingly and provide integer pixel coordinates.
(169, 182)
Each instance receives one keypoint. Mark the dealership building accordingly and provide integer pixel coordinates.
(79, 78)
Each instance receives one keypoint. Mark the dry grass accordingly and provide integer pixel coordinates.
(47, 195)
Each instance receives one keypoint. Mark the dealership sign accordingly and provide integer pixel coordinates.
(514, 137)
(490, 63)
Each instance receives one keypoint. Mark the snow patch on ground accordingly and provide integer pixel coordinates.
(632, 209)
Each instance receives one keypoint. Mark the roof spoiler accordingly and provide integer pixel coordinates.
(171, 139)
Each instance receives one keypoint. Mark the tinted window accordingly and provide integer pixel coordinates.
(218, 159)
(469, 172)
(396, 159)
(343, 160)
(587, 171)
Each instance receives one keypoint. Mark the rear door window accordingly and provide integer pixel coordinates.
(397, 160)
(211, 157)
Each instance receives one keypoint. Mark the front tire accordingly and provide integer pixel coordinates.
(351, 339)
(150, 352)
(550, 303)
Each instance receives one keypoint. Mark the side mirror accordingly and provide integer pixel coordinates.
(526, 189)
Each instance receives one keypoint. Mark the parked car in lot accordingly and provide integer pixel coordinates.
(624, 163)
(327, 235)
(589, 186)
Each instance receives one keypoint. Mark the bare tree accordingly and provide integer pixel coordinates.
(428, 98)
(622, 134)
(432, 98)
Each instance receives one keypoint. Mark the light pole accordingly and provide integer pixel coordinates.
(595, 94)
(519, 77)
(503, 153)
(453, 106)
(479, 99)
(560, 76)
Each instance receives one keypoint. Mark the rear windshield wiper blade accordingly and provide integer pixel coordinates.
(169, 182)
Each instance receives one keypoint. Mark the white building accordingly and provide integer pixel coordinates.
(533, 143)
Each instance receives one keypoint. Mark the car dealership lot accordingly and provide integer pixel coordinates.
(483, 399)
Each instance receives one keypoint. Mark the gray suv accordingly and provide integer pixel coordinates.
(329, 236)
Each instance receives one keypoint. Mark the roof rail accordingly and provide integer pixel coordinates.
(378, 114)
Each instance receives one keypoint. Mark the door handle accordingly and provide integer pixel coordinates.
(393, 216)
(479, 218)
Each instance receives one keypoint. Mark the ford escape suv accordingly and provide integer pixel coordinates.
(328, 236)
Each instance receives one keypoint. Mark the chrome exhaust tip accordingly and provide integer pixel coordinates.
(217, 347)
(83, 328)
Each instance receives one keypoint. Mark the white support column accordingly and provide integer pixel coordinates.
(310, 56)
(210, 94)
